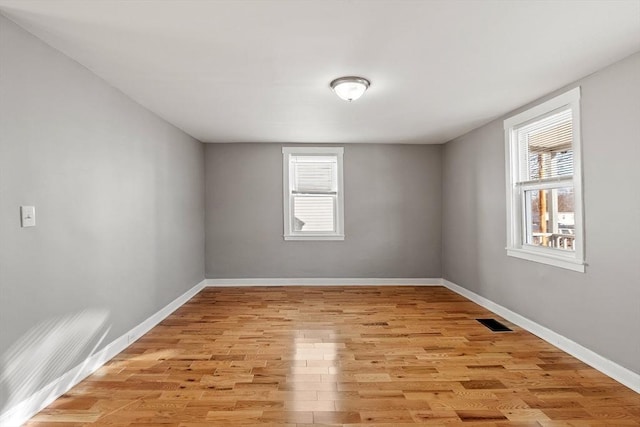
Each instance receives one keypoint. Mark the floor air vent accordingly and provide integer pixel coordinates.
(494, 325)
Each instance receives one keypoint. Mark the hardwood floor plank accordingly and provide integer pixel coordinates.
(376, 356)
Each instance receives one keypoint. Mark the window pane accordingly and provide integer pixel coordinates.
(313, 213)
(547, 147)
(550, 219)
(312, 174)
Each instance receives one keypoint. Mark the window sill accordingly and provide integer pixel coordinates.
(547, 258)
(315, 237)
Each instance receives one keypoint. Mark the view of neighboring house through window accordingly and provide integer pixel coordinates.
(544, 183)
(313, 193)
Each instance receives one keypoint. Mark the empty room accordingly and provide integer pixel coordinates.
(319, 212)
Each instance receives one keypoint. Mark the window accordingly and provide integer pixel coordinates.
(313, 196)
(544, 183)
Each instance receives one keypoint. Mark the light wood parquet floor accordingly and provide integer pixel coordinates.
(377, 356)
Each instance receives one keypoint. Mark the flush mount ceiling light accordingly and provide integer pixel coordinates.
(350, 88)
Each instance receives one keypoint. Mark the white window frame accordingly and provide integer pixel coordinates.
(289, 233)
(516, 245)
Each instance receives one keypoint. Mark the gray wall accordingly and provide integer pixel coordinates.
(119, 196)
(392, 215)
(599, 309)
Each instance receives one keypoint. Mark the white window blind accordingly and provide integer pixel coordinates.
(546, 147)
(313, 213)
(312, 192)
(314, 189)
(314, 174)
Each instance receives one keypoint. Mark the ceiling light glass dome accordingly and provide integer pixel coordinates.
(350, 88)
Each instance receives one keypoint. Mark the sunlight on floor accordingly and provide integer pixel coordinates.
(311, 380)
(45, 353)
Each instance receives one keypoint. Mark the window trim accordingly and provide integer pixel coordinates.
(515, 246)
(289, 234)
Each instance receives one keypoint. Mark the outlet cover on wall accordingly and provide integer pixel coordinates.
(28, 216)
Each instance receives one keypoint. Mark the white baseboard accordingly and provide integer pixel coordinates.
(602, 364)
(20, 413)
(325, 282)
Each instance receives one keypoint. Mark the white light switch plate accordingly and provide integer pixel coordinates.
(28, 215)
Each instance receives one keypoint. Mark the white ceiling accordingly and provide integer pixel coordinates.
(259, 71)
